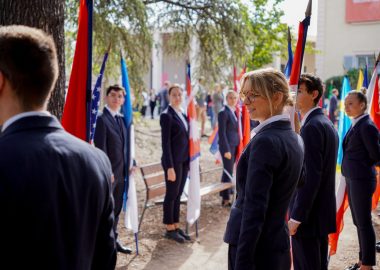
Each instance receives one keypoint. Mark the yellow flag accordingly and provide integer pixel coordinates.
(360, 80)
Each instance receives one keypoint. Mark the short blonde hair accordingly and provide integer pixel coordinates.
(266, 82)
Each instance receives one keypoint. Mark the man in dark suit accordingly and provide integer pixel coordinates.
(55, 190)
(109, 136)
(228, 141)
(313, 207)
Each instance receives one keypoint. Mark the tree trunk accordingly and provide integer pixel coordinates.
(48, 16)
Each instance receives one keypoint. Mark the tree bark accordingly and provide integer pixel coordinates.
(47, 15)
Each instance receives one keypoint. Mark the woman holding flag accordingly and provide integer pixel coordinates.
(361, 151)
(175, 161)
(266, 177)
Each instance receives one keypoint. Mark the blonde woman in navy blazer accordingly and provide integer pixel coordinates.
(175, 161)
(361, 151)
(266, 177)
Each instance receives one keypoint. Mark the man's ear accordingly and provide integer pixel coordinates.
(314, 94)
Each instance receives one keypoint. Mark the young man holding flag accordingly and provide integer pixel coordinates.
(313, 210)
(109, 136)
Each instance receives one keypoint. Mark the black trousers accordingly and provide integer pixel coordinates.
(360, 200)
(228, 165)
(152, 106)
(277, 261)
(172, 200)
(118, 191)
(310, 253)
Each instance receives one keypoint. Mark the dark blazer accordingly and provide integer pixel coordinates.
(175, 139)
(55, 199)
(314, 203)
(265, 183)
(228, 130)
(109, 138)
(361, 150)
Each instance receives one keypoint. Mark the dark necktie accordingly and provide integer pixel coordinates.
(119, 122)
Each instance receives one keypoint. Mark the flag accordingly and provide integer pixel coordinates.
(130, 206)
(244, 124)
(344, 121)
(95, 99)
(365, 81)
(213, 140)
(329, 89)
(194, 197)
(77, 109)
(360, 80)
(341, 192)
(373, 98)
(300, 49)
(289, 64)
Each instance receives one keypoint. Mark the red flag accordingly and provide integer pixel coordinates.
(242, 116)
(76, 112)
(300, 49)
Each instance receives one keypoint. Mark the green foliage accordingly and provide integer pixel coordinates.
(229, 33)
(268, 34)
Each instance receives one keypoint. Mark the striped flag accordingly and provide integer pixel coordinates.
(300, 49)
(194, 197)
(77, 109)
(95, 99)
(289, 64)
(213, 140)
(341, 192)
(130, 206)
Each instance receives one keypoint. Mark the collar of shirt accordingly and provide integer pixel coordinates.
(357, 119)
(281, 117)
(307, 115)
(113, 113)
(180, 115)
(231, 108)
(22, 115)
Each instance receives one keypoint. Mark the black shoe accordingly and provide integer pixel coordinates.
(122, 249)
(353, 267)
(174, 235)
(378, 246)
(183, 234)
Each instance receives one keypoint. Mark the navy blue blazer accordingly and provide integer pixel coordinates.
(267, 175)
(55, 195)
(228, 130)
(361, 150)
(109, 138)
(175, 139)
(314, 202)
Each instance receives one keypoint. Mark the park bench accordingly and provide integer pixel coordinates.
(154, 179)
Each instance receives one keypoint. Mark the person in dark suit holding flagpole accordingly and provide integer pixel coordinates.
(313, 207)
(267, 174)
(361, 151)
(55, 190)
(228, 141)
(175, 161)
(109, 136)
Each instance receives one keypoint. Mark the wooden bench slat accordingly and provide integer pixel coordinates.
(154, 179)
(156, 191)
(151, 168)
(215, 188)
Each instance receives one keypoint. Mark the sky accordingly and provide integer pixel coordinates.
(295, 12)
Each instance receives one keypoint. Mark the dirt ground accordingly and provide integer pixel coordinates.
(208, 251)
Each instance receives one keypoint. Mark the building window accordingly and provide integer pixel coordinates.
(358, 61)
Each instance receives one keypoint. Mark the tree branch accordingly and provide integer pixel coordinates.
(186, 6)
